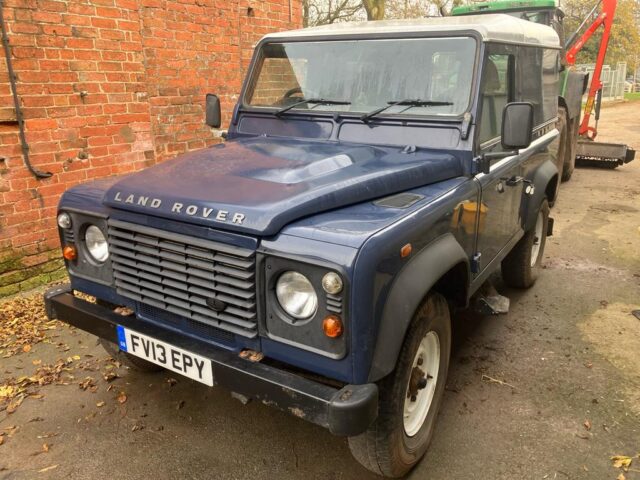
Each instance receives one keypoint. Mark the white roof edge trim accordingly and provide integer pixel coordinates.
(491, 28)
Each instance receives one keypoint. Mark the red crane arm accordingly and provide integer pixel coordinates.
(604, 18)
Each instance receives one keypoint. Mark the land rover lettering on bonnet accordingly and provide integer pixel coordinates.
(374, 176)
(180, 208)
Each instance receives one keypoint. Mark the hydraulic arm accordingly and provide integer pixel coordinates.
(604, 18)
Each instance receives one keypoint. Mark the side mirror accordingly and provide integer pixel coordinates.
(212, 111)
(517, 125)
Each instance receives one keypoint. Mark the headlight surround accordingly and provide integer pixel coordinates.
(296, 295)
(96, 244)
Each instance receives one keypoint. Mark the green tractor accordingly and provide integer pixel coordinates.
(577, 135)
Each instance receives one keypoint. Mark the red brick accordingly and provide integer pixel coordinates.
(47, 17)
(50, 6)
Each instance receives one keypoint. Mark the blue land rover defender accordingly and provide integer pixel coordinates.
(374, 176)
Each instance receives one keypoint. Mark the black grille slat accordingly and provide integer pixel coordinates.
(181, 294)
(178, 274)
(182, 268)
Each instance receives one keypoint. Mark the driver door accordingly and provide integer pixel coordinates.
(501, 188)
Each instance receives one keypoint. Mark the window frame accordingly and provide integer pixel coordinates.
(512, 52)
(256, 63)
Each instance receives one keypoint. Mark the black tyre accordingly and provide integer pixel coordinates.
(131, 361)
(410, 397)
(521, 266)
(570, 150)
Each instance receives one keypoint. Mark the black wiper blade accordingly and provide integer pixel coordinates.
(409, 102)
(319, 101)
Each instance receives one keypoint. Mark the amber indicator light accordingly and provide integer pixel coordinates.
(332, 326)
(69, 252)
(406, 250)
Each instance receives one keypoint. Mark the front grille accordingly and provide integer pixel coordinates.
(184, 324)
(178, 273)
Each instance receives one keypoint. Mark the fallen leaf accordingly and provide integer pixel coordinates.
(14, 404)
(124, 311)
(48, 435)
(36, 362)
(110, 377)
(621, 476)
(1, 438)
(621, 461)
(587, 424)
(45, 448)
(76, 357)
(86, 383)
(100, 404)
(37, 396)
(136, 427)
(26, 348)
(122, 398)
(6, 391)
(46, 469)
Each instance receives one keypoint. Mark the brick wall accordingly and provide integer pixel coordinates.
(277, 77)
(109, 87)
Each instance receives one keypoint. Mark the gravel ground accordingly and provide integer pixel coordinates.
(549, 391)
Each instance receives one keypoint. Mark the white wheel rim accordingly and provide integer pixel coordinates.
(427, 359)
(537, 239)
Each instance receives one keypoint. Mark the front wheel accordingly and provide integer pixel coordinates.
(521, 266)
(410, 397)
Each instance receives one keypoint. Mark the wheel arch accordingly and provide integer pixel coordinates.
(545, 180)
(441, 266)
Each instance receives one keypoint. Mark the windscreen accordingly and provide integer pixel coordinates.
(366, 75)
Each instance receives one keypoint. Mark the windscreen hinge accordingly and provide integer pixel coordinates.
(466, 125)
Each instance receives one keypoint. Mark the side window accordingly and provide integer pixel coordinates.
(496, 92)
(550, 81)
(530, 79)
(538, 81)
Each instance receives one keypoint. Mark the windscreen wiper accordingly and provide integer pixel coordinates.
(409, 102)
(319, 101)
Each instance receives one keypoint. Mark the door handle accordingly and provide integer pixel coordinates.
(515, 180)
(529, 188)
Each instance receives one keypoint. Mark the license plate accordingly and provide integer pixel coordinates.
(191, 365)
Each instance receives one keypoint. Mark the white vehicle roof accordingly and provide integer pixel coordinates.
(491, 27)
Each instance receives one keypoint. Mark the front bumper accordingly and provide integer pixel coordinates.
(347, 411)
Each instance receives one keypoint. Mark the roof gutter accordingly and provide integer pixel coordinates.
(16, 101)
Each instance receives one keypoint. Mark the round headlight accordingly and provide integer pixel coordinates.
(332, 283)
(96, 243)
(64, 220)
(296, 295)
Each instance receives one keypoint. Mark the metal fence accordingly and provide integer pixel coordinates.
(612, 79)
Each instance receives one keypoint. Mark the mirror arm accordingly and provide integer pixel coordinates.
(482, 164)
